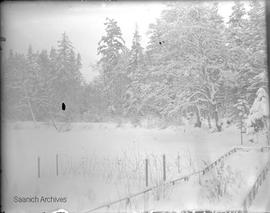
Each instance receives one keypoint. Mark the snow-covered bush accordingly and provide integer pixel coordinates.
(220, 182)
(258, 118)
(259, 109)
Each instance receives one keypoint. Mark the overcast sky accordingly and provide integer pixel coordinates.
(42, 23)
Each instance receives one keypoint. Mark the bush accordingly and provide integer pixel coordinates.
(220, 182)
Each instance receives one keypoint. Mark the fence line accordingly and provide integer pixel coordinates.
(171, 182)
(247, 201)
(255, 188)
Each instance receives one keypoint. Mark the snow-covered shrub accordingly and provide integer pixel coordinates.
(220, 182)
(258, 118)
(259, 109)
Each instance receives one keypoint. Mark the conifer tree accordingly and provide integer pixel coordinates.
(111, 48)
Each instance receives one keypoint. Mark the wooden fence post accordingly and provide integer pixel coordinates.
(241, 129)
(178, 162)
(146, 195)
(38, 164)
(164, 168)
(56, 164)
(164, 175)
(146, 172)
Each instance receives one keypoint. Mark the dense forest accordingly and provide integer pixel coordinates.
(195, 65)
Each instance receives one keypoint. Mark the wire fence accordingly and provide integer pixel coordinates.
(165, 183)
(250, 197)
(161, 185)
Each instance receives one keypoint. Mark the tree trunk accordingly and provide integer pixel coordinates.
(29, 105)
(53, 121)
(31, 110)
(198, 122)
(218, 126)
(107, 93)
(209, 121)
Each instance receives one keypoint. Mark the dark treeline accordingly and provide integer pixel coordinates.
(194, 63)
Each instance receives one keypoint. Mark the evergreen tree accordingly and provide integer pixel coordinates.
(135, 77)
(256, 41)
(46, 92)
(238, 58)
(111, 48)
(237, 24)
(136, 52)
(68, 78)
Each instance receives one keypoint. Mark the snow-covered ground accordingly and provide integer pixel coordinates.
(262, 200)
(234, 178)
(101, 162)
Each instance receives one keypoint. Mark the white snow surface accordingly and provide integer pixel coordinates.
(262, 200)
(101, 162)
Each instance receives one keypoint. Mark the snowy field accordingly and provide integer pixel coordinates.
(101, 162)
